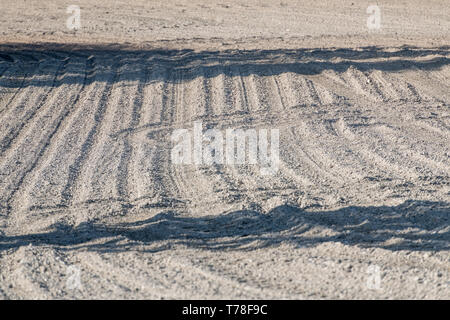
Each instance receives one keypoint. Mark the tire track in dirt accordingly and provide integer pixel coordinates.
(123, 185)
(376, 85)
(287, 98)
(231, 99)
(370, 152)
(227, 186)
(414, 148)
(181, 193)
(256, 100)
(243, 183)
(48, 178)
(9, 80)
(310, 157)
(55, 120)
(304, 91)
(398, 153)
(105, 157)
(165, 187)
(98, 178)
(209, 183)
(433, 80)
(154, 152)
(75, 169)
(191, 179)
(266, 92)
(210, 83)
(105, 174)
(11, 128)
(393, 89)
(362, 85)
(439, 130)
(167, 112)
(143, 151)
(332, 153)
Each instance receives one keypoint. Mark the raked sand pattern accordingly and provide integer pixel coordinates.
(87, 182)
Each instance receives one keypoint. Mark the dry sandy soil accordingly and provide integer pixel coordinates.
(88, 189)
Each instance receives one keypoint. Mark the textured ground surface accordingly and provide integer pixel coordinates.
(86, 180)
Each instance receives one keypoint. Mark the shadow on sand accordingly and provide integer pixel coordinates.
(94, 62)
(412, 225)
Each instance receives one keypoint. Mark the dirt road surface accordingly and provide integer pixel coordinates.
(92, 206)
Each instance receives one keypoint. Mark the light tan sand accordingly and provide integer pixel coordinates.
(91, 205)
